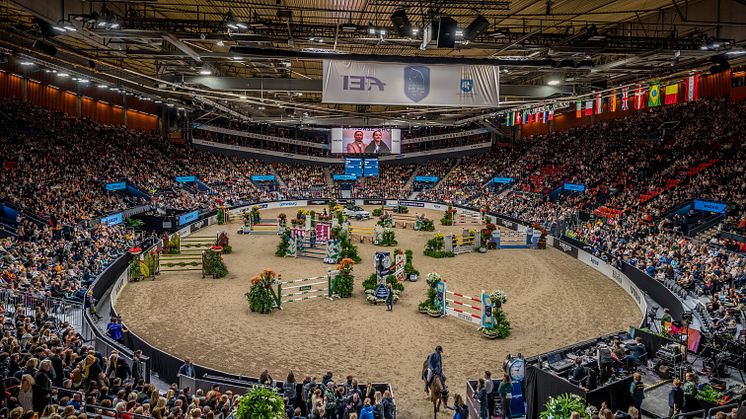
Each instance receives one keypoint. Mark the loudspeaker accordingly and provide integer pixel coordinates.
(401, 23)
(447, 32)
(476, 27)
(46, 48)
(166, 225)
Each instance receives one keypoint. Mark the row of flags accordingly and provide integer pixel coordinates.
(528, 116)
(651, 98)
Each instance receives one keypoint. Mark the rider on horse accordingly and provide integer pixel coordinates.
(434, 365)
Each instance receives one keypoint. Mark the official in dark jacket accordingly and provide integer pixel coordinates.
(42, 386)
(675, 398)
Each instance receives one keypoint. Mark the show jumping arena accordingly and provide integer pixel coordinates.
(553, 301)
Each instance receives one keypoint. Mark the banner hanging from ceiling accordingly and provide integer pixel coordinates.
(412, 85)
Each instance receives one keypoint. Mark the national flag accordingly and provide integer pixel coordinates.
(588, 108)
(692, 88)
(551, 115)
(578, 109)
(509, 119)
(672, 94)
(599, 104)
(612, 102)
(625, 98)
(544, 116)
(639, 97)
(654, 97)
(530, 117)
(525, 118)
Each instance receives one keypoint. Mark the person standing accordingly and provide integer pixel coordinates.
(505, 390)
(637, 390)
(187, 369)
(675, 398)
(489, 387)
(690, 393)
(481, 396)
(289, 390)
(388, 405)
(137, 372)
(42, 390)
(460, 408)
(389, 297)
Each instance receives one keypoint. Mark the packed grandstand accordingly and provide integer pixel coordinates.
(137, 142)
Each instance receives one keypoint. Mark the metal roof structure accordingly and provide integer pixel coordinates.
(263, 58)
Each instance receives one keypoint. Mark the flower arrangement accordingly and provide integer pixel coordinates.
(174, 245)
(260, 402)
(388, 238)
(212, 263)
(256, 217)
(282, 219)
(562, 407)
(282, 248)
(261, 296)
(370, 285)
(435, 246)
(222, 241)
(344, 281)
(135, 250)
(500, 327)
(428, 305)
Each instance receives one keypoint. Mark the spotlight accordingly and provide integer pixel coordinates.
(553, 82)
(68, 26)
(415, 31)
(102, 86)
(372, 30)
(402, 26)
(476, 28)
(242, 97)
(27, 63)
(63, 75)
(205, 72)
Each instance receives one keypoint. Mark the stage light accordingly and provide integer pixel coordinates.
(476, 28)
(102, 86)
(415, 31)
(382, 32)
(401, 23)
(242, 97)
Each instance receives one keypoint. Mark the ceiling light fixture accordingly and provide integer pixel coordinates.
(103, 86)
(63, 75)
(205, 72)
(26, 63)
(553, 82)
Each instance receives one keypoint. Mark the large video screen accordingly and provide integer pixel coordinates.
(366, 140)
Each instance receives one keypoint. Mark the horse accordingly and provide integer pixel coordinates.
(438, 391)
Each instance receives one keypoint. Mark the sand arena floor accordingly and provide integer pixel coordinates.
(553, 301)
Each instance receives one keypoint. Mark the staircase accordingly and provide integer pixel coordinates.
(449, 173)
(410, 181)
(277, 177)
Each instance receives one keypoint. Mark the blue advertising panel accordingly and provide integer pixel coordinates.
(116, 186)
(186, 179)
(575, 187)
(112, 220)
(709, 206)
(370, 167)
(354, 167)
(430, 179)
(263, 178)
(502, 180)
(344, 177)
(188, 217)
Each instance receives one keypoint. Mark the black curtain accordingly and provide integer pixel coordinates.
(540, 385)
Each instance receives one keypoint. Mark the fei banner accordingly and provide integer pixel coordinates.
(402, 84)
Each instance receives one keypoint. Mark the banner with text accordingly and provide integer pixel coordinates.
(402, 84)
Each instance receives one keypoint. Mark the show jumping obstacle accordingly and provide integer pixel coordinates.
(305, 289)
(264, 226)
(402, 220)
(467, 218)
(362, 233)
(511, 239)
(463, 307)
(470, 241)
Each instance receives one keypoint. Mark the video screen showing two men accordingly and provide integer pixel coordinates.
(366, 141)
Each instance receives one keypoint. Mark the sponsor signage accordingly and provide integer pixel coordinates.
(362, 82)
(263, 137)
(112, 220)
(381, 291)
(372, 202)
(459, 134)
(709, 206)
(186, 179)
(344, 177)
(575, 187)
(116, 186)
(427, 179)
(188, 217)
(318, 201)
(262, 178)
(502, 180)
(565, 247)
(412, 204)
(289, 204)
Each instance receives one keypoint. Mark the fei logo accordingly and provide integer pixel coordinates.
(362, 83)
(467, 86)
(416, 82)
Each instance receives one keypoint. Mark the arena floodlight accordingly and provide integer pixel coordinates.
(401, 23)
(477, 27)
